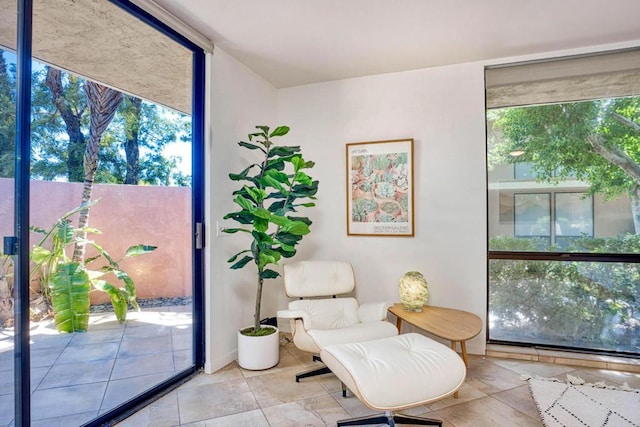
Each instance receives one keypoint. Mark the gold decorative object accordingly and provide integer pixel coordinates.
(413, 290)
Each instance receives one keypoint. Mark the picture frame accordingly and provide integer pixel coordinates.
(380, 188)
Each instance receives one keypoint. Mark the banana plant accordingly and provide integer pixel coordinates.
(67, 283)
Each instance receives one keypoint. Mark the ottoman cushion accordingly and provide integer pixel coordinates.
(396, 372)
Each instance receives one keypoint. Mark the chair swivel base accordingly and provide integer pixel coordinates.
(391, 419)
(312, 373)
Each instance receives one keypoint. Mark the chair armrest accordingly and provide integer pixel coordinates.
(294, 314)
(372, 311)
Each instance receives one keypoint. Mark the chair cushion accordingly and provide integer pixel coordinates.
(397, 372)
(359, 332)
(327, 313)
(304, 279)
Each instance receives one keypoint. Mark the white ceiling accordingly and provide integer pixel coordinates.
(295, 42)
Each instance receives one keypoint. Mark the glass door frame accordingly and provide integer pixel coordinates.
(22, 362)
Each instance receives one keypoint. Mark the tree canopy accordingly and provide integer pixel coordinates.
(131, 148)
(597, 142)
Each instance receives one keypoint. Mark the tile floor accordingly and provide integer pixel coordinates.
(494, 395)
(76, 377)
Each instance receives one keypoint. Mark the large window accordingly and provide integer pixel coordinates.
(563, 146)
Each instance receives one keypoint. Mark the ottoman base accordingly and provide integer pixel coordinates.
(391, 419)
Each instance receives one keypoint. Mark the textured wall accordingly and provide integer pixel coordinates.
(100, 41)
(126, 215)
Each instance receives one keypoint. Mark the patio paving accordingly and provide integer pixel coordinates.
(76, 377)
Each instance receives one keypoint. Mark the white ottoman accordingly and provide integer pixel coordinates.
(395, 373)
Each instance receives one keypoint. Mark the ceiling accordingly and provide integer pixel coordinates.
(101, 42)
(296, 42)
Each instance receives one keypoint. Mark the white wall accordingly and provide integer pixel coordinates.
(239, 100)
(443, 110)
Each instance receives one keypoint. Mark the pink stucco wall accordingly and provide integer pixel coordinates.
(126, 215)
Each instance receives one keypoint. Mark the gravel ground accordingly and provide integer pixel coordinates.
(145, 303)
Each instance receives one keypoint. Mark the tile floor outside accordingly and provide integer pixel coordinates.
(76, 377)
(493, 395)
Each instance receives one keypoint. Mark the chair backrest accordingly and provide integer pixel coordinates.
(328, 313)
(304, 279)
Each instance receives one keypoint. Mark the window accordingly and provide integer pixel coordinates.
(573, 217)
(564, 204)
(533, 215)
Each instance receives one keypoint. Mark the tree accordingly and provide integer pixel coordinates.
(597, 142)
(141, 130)
(131, 148)
(131, 142)
(7, 120)
(71, 106)
(103, 104)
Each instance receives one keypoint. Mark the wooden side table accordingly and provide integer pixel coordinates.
(448, 323)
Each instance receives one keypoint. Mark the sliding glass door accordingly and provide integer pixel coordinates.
(113, 200)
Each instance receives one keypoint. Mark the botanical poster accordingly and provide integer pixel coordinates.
(380, 177)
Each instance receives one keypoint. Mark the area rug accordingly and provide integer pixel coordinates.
(576, 403)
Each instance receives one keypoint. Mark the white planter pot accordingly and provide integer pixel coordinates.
(256, 353)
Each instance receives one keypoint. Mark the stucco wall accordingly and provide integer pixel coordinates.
(126, 215)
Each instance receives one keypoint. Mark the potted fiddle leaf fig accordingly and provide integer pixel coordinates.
(273, 189)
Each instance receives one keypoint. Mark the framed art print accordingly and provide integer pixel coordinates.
(380, 188)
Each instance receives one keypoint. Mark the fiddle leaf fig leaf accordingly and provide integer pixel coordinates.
(262, 213)
(283, 152)
(303, 178)
(251, 146)
(269, 274)
(244, 203)
(299, 228)
(260, 224)
(279, 131)
(240, 263)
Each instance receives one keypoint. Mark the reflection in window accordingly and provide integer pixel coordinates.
(533, 215)
(573, 217)
(524, 171)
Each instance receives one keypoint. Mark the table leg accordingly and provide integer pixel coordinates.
(398, 323)
(454, 348)
(463, 346)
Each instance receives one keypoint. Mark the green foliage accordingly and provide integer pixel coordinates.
(58, 146)
(6, 290)
(67, 284)
(558, 141)
(273, 190)
(578, 304)
(7, 119)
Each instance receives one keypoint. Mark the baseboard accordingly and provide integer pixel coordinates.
(588, 360)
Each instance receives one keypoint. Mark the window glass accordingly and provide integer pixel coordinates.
(587, 305)
(563, 153)
(524, 171)
(533, 215)
(565, 150)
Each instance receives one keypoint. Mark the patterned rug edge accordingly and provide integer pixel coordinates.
(576, 381)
